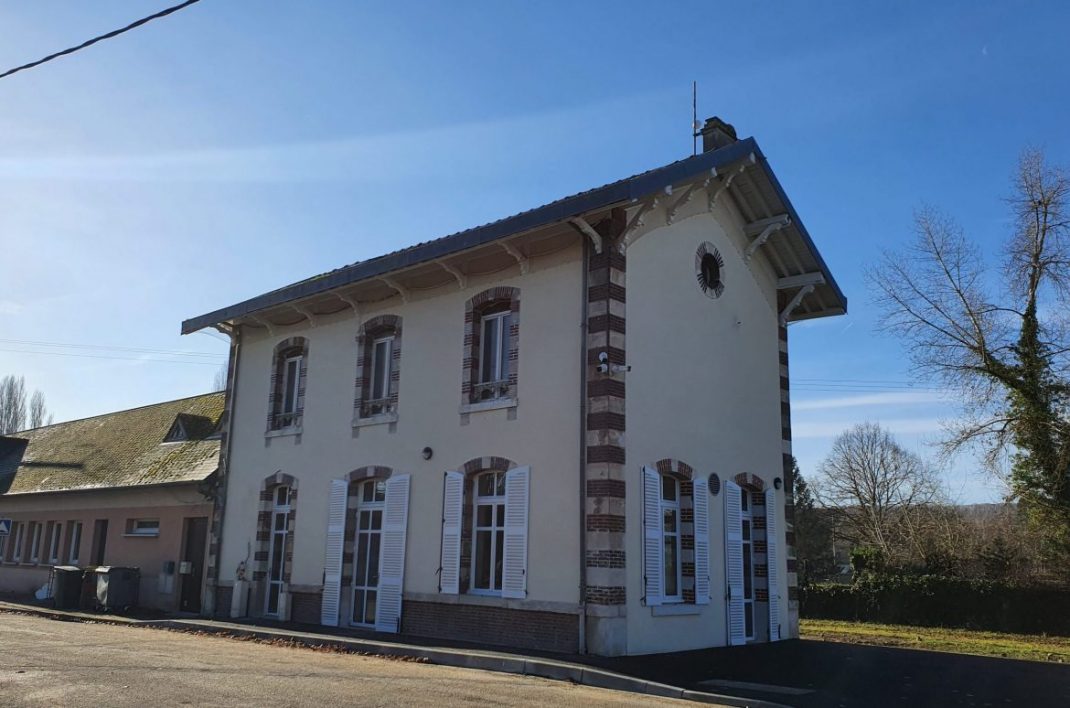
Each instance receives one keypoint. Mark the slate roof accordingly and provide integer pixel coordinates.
(620, 192)
(114, 450)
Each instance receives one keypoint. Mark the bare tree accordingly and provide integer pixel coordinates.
(219, 381)
(998, 336)
(39, 414)
(12, 404)
(873, 486)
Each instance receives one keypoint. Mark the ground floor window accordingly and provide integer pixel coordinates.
(369, 539)
(488, 535)
(280, 515)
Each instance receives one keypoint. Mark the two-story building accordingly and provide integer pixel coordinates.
(568, 429)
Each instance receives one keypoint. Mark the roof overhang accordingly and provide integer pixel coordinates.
(739, 170)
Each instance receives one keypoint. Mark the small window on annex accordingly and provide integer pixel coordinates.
(143, 527)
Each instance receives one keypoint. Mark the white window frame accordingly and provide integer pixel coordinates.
(143, 528)
(671, 505)
(384, 382)
(55, 542)
(494, 501)
(290, 384)
(75, 551)
(277, 510)
(370, 507)
(746, 513)
(500, 362)
(35, 542)
(14, 550)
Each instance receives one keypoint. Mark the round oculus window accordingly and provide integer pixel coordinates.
(708, 269)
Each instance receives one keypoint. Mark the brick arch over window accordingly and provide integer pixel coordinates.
(685, 473)
(284, 349)
(472, 469)
(263, 533)
(356, 480)
(379, 326)
(752, 481)
(490, 300)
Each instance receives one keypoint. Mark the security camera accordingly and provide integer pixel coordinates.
(603, 363)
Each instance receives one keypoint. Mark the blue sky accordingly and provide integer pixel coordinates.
(237, 146)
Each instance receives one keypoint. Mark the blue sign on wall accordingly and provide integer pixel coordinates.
(5, 527)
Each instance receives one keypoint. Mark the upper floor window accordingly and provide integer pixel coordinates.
(492, 335)
(378, 369)
(288, 384)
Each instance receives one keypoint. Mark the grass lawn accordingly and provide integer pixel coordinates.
(959, 641)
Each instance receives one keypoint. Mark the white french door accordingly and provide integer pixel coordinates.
(280, 516)
(367, 553)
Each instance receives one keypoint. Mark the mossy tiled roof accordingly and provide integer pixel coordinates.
(123, 449)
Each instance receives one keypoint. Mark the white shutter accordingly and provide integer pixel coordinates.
(392, 554)
(332, 562)
(772, 544)
(653, 565)
(515, 555)
(733, 554)
(701, 504)
(449, 579)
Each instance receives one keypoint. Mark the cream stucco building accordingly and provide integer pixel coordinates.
(568, 429)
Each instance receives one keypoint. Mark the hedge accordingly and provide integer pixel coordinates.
(937, 601)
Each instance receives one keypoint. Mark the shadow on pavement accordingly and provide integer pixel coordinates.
(835, 674)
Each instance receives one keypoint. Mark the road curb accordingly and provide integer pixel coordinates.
(443, 656)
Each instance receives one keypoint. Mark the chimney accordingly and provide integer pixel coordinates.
(717, 134)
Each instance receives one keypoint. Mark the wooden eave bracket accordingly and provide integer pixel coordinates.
(306, 313)
(800, 281)
(225, 328)
(264, 323)
(521, 259)
(402, 291)
(795, 301)
(462, 279)
(352, 302)
(632, 231)
(727, 180)
(585, 228)
(762, 230)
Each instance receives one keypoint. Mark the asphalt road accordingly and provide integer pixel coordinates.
(48, 663)
(815, 674)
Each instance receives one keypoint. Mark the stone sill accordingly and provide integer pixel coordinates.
(491, 405)
(381, 419)
(283, 432)
(675, 609)
(493, 601)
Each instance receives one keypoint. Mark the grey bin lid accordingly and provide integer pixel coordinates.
(70, 568)
(113, 568)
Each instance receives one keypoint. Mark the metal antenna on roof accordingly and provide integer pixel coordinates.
(695, 127)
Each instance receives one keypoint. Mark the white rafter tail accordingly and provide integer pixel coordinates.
(795, 301)
(264, 323)
(402, 291)
(727, 180)
(586, 229)
(306, 313)
(762, 230)
(224, 328)
(462, 279)
(631, 231)
(521, 259)
(800, 281)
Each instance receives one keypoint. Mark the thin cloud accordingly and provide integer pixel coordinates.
(908, 398)
(901, 426)
(10, 307)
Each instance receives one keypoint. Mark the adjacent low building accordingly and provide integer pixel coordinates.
(568, 429)
(131, 488)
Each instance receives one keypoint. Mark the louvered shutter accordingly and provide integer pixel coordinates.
(653, 565)
(449, 579)
(772, 544)
(392, 555)
(515, 555)
(701, 504)
(332, 562)
(733, 554)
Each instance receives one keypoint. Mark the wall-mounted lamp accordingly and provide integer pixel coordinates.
(777, 483)
(427, 453)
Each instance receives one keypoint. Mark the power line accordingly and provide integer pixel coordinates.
(109, 35)
(106, 347)
(121, 358)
